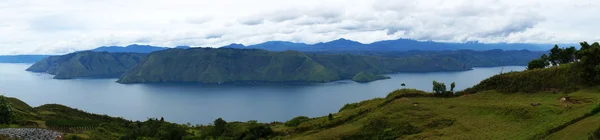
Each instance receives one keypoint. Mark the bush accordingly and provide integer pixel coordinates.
(5, 111)
(296, 121)
(381, 128)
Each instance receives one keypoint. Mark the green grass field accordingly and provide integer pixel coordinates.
(486, 115)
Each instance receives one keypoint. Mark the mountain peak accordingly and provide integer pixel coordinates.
(340, 42)
(234, 45)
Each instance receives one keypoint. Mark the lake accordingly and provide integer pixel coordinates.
(201, 104)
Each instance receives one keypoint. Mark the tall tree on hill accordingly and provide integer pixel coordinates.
(5, 111)
(537, 64)
(219, 127)
(568, 55)
(555, 55)
(589, 56)
(439, 87)
(452, 85)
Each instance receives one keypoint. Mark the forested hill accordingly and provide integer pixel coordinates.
(489, 58)
(87, 64)
(208, 65)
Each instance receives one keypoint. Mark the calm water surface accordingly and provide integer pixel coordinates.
(201, 104)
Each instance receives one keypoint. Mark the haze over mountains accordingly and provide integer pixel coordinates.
(339, 45)
(389, 45)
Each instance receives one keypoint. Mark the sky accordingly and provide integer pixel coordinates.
(62, 26)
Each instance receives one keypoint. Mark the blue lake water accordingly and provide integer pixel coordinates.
(201, 104)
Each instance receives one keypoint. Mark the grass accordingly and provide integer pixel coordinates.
(577, 130)
(486, 115)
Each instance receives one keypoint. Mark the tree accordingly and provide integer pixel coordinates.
(568, 55)
(162, 119)
(439, 87)
(555, 55)
(330, 117)
(452, 85)
(536, 64)
(545, 58)
(589, 58)
(5, 111)
(403, 84)
(257, 131)
(219, 127)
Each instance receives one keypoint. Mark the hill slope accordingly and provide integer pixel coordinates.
(207, 65)
(87, 64)
(489, 58)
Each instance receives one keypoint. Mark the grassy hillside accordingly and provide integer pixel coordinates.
(563, 78)
(403, 114)
(87, 64)
(487, 115)
(208, 65)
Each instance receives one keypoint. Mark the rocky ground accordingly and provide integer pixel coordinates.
(30, 133)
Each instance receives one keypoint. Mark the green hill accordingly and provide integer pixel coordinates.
(364, 77)
(87, 64)
(213, 66)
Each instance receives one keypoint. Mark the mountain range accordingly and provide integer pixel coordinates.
(227, 65)
(134, 48)
(340, 45)
(388, 45)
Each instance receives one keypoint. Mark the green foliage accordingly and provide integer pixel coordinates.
(439, 87)
(296, 121)
(452, 86)
(349, 106)
(257, 131)
(73, 137)
(589, 57)
(537, 64)
(153, 128)
(364, 77)
(87, 64)
(383, 129)
(555, 55)
(6, 112)
(403, 84)
(330, 116)
(219, 127)
(560, 78)
(595, 135)
(214, 66)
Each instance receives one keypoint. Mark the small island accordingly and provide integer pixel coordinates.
(365, 77)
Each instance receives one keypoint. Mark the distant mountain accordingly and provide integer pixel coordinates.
(21, 58)
(390, 45)
(130, 48)
(87, 64)
(134, 48)
(226, 65)
(489, 58)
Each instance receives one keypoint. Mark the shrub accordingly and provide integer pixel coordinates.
(296, 121)
(5, 111)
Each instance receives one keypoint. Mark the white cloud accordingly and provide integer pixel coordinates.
(61, 26)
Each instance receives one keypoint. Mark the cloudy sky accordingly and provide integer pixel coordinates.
(60, 26)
